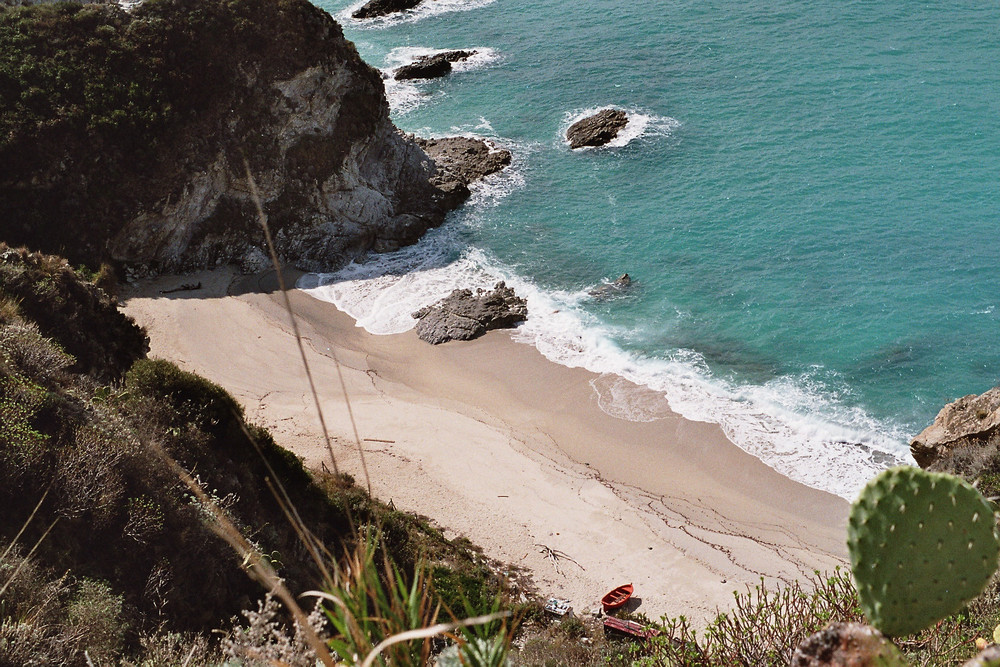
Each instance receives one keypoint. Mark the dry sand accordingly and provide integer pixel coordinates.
(494, 442)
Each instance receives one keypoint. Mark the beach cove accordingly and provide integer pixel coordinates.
(496, 443)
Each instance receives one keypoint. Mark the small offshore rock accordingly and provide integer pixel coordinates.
(375, 8)
(970, 420)
(847, 645)
(598, 129)
(430, 67)
(464, 315)
(608, 290)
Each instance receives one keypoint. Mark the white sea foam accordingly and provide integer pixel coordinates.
(640, 124)
(423, 10)
(791, 424)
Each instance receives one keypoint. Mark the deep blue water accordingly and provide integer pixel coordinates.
(810, 210)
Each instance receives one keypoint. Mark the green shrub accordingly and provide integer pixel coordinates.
(80, 318)
(94, 614)
(196, 401)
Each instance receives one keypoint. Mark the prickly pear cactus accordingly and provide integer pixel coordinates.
(922, 544)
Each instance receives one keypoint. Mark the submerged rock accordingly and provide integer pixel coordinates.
(430, 67)
(460, 162)
(971, 421)
(598, 129)
(464, 315)
(608, 290)
(375, 8)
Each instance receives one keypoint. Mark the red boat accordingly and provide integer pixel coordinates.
(617, 598)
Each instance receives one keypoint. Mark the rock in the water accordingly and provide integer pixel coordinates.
(430, 67)
(375, 8)
(464, 315)
(607, 290)
(461, 161)
(457, 55)
(971, 420)
(847, 645)
(598, 129)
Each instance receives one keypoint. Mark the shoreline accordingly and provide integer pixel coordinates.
(495, 442)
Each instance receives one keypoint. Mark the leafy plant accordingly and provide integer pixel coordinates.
(922, 545)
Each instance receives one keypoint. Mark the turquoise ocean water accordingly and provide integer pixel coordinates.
(807, 195)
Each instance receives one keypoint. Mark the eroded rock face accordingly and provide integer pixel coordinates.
(598, 129)
(971, 421)
(460, 162)
(430, 67)
(464, 315)
(376, 8)
(847, 645)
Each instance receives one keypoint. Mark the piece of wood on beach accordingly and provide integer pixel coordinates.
(629, 628)
(186, 287)
(555, 556)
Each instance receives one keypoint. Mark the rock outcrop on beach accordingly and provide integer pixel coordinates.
(431, 67)
(966, 428)
(144, 162)
(460, 162)
(598, 129)
(376, 8)
(464, 314)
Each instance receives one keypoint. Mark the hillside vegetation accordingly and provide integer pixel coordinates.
(106, 113)
(125, 550)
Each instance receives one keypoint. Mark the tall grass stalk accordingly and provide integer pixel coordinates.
(262, 217)
(253, 561)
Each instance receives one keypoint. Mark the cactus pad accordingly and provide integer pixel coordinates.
(922, 544)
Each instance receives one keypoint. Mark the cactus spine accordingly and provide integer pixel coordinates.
(922, 544)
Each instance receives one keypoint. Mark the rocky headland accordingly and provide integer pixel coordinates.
(158, 181)
(598, 129)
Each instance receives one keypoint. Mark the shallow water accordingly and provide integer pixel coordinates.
(806, 195)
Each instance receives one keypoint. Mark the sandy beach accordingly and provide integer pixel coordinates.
(494, 442)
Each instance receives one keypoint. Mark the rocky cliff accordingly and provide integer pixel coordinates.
(968, 428)
(136, 149)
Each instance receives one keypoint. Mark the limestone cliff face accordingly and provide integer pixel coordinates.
(269, 84)
(964, 431)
